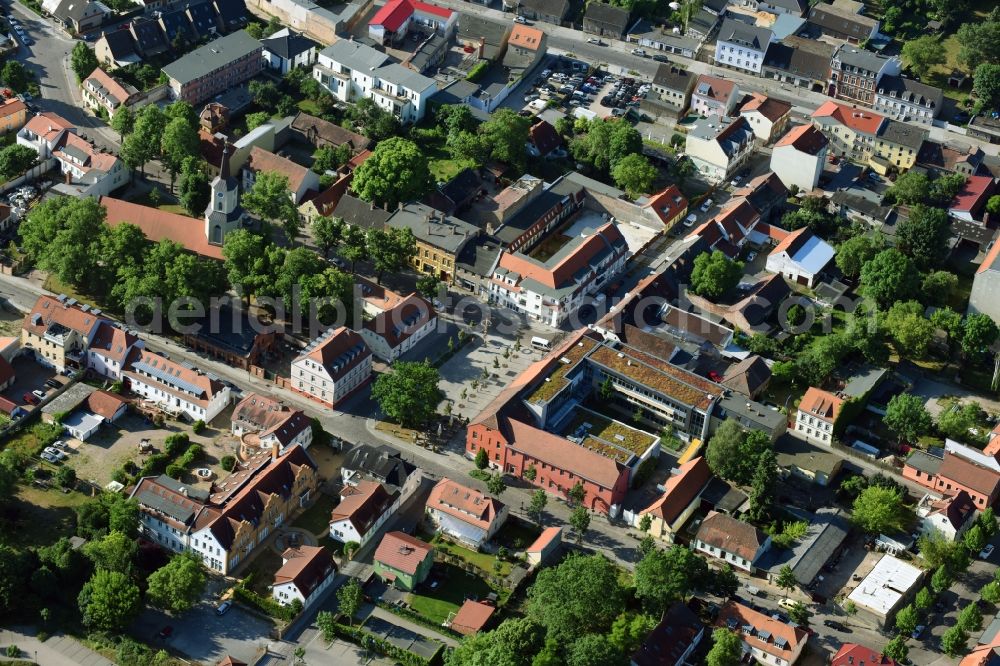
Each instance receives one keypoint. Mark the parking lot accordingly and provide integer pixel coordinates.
(29, 376)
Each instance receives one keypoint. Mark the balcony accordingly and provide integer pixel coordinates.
(323, 69)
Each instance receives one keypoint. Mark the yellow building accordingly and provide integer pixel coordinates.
(440, 238)
(13, 115)
(668, 514)
(897, 146)
(58, 330)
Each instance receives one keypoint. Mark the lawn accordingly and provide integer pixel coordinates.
(455, 587)
(482, 560)
(316, 518)
(31, 440)
(938, 76)
(44, 515)
(311, 107)
(53, 284)
(442, 164)
(263, 566)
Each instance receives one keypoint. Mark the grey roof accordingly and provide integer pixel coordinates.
(903, 134)
(550, 7)
(176, 23)
(427, 54)
(148, 35)
(474, 27)
(924, 462)
(231, 12)
(78, 9)
(854, 200)
(723, 496)
(715, 6)
(704, 22)
(792, 451)
(479, 256)
(801, 57)
(749, 413)
(433, 227)
(69, 399)
(855, 56)
(643, 29)
(210, 57)
(908, 90)
(787, 25)
(359, 213)
(729, 135)
(403, 76)
(355, 56)
(797, 6)
(120, 43)
(672, 77)
(605, 13)
(827, 531)
(287, 44)
(863, 381)
(382, 464)
(202, 17)
(743, 34)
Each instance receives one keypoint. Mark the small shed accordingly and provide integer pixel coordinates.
(545, 546)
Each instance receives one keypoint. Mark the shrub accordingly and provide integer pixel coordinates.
(121, 476)
(175, 471)
(197, 426)
(478, 71)
(175, 443)
(155, 465)
(266, 605)
(66, 477)
(13, 651)
(228, 463)
(193, 453)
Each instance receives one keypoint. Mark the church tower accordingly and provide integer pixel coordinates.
(224, 213)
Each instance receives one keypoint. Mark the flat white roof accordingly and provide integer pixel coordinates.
(814, 255)
(83, 421)
(883, 588)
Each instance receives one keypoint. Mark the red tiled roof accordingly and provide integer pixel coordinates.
(463, 503)
(805, 139)
(544, 539)
(12, 106)
(366, 503)
(719, 89)
(402, 552)
(104, 404)
(263, 160)
(562, 273)
(769, 107)
(731, 535)
(50, 311)
(976, 188)
(112, 342)
(792, 241)
(739, 616)
(306, 567)
(990, 261)
(333, 346)
(391, 324)
(48, 125)
(7, 406)
(544, 137)
(116, 89)
(270, 417)
(860, 120)
(969, 474)
(564, 454)
(158, 225)
(668, 204)
(472, 617)
(821, 404)
(852, 654)
(680, 490)
(526, 38)
(393, 14)
(208, 386)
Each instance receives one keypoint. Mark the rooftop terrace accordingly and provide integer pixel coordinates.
(610, 438)
(556, 379)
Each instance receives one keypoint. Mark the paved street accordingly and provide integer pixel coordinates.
(58, 650)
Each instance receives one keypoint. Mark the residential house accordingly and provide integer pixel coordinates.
(765, 639)
(58, 332)
(673, 640)
(177, 388)
(286, 49)
(720, 147)
(798, 157)
(749, 377)
(549, 11)
(300, 179)
(397, 18)
(742, 46)
(897, 146)
(322, 133)
(116, 48)
(855, 74)
(800, 257)
(948, 516)
(984, 127)
(77, 16)
(363, 508)
(802, 62)
(214, 118)
(809, 462)
(950, 157)
(216, 67)
(730, 229)
(961, 468)
(487, 38)
(13, 115)
(754, 312)
(526, 48)
(101, 91)
(356, 212)
(851, 131)
(440, 238)
(544, 547)
(767, 116)
(261, 421)
(766, 194)
(679, 499)
(332, 367)
(661, 38)
(542, 140)
(970, 203)
(464, 513)
(702, 24)
(674, 86)
(232, 14)
(306, 571)
(551, 290)
(110, 349)
(826, 531)
(738, 543)
(224, 527)
(202, 18)
(352, 71)
(382, 465)
(713, 96)
(148, 38)
(986, 285)
(889, 586)
(606, 20)
(458, 193)
(859, 203)
(853, 654)
(471, 618)
(176, 28)
(396, 330)
(403, 561)
(911, 101)
(780, 7)
(228, 333)
(840, 22)
(817, 415)
(670, 205)
(108, 406)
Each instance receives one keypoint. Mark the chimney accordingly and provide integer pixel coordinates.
(274, 451)
(482, 47)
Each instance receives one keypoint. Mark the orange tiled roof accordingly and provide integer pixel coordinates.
(525, 37)
(860, 120)
(162, 225)
(769, 107)
(821, 404)
(264, 160)
(805, 138)
(402, 552)
(464, 503)
(680, 490)
(736, 616)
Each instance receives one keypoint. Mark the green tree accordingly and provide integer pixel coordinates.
(193, 189)
(109, 601)
(924, 599)
(495, 484)
(645, 522)
(733, 454)
(979, 43)
(115, 552)
(666, 576)
(581, 595)
(16, 76)
(409, 393)
(799, 614)
(978, 332)
(123, 121)
(143, 144)
(330, 159)
(15, 159)
(727, 649)
(923, 235)
(941, 580)
(576, 494)
(907, 416)
(714, 274)
(629, 630)
(923, 53)
(579, 520)
(909, 330)
(725, 583)
(594, 650)
(878, 510)
(83, 61)
(66, 477)
(395, 172)
(536, 508)
(390, 249)
(956, 419)
(786, 579)
(986, 89)
(765, 477)
(327, 625)
(987, 522)
(482, 459)
(178, 585)
(605, 142)
(62, 235)
(350, 596)
(991, 592)
(889, 277)
(512, 644)
(940, 552)
(854, 252)
(249, 261)
(429, 286)
(256, 119)
(271, 199)
(939, 287)
(506, 135)
(974, 539)
(373, 121)
(896, 649)
(634, 174)
(971, 618)
(912, 187)
(953, 641)
(906, 620)
(354, 246)
(327, 232)
(179, 143)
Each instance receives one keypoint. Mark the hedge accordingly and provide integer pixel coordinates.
(266, 605)
(370, 641)
(176, 443)
(478, 71)
(414, 616)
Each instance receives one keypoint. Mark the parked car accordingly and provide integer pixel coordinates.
(836, 626)
(166, 632)
(639, 52)
(30, 399)
(39, 393)
(52, 451)
(223, 608)
(52, 383)
(521, 20)
(48, 456)
(690, 219)
(705, 206)
(61, 445)
(751, 256)
(659, 57)
(918, 632)
(985, 553)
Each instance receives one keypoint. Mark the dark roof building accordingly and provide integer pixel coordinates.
(606, 20)
(673, 640)
(359, 213)
(486, 35)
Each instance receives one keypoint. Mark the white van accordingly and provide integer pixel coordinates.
(541, 343)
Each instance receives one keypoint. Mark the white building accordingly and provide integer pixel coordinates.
(332, 366)
(886, 589)
(798, 157)
(263, 421)
(767, 116)
(731, 540)
(396, 18)
(949, 516)
(713, 96)
(817, 414)
(800, 257)
(82, 424)
(285, 50)
(742, 46)
(305, 572)
(393, 332)
(177, 388)
(352, 71)
(109, 350)
(720, 147)
(465, 513)
(362, 510)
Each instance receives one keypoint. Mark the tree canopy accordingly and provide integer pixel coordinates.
(878, 509)
(409, 393)
(109, 600)
(888, 277)
(714, 274)
(178, 585)
(665, 576)
(906, 416)
(579, 596)
(733, 453)
(395, 172)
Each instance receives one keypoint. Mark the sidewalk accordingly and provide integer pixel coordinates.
(59, 650)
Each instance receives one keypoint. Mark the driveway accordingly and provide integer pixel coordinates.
(932, 390)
